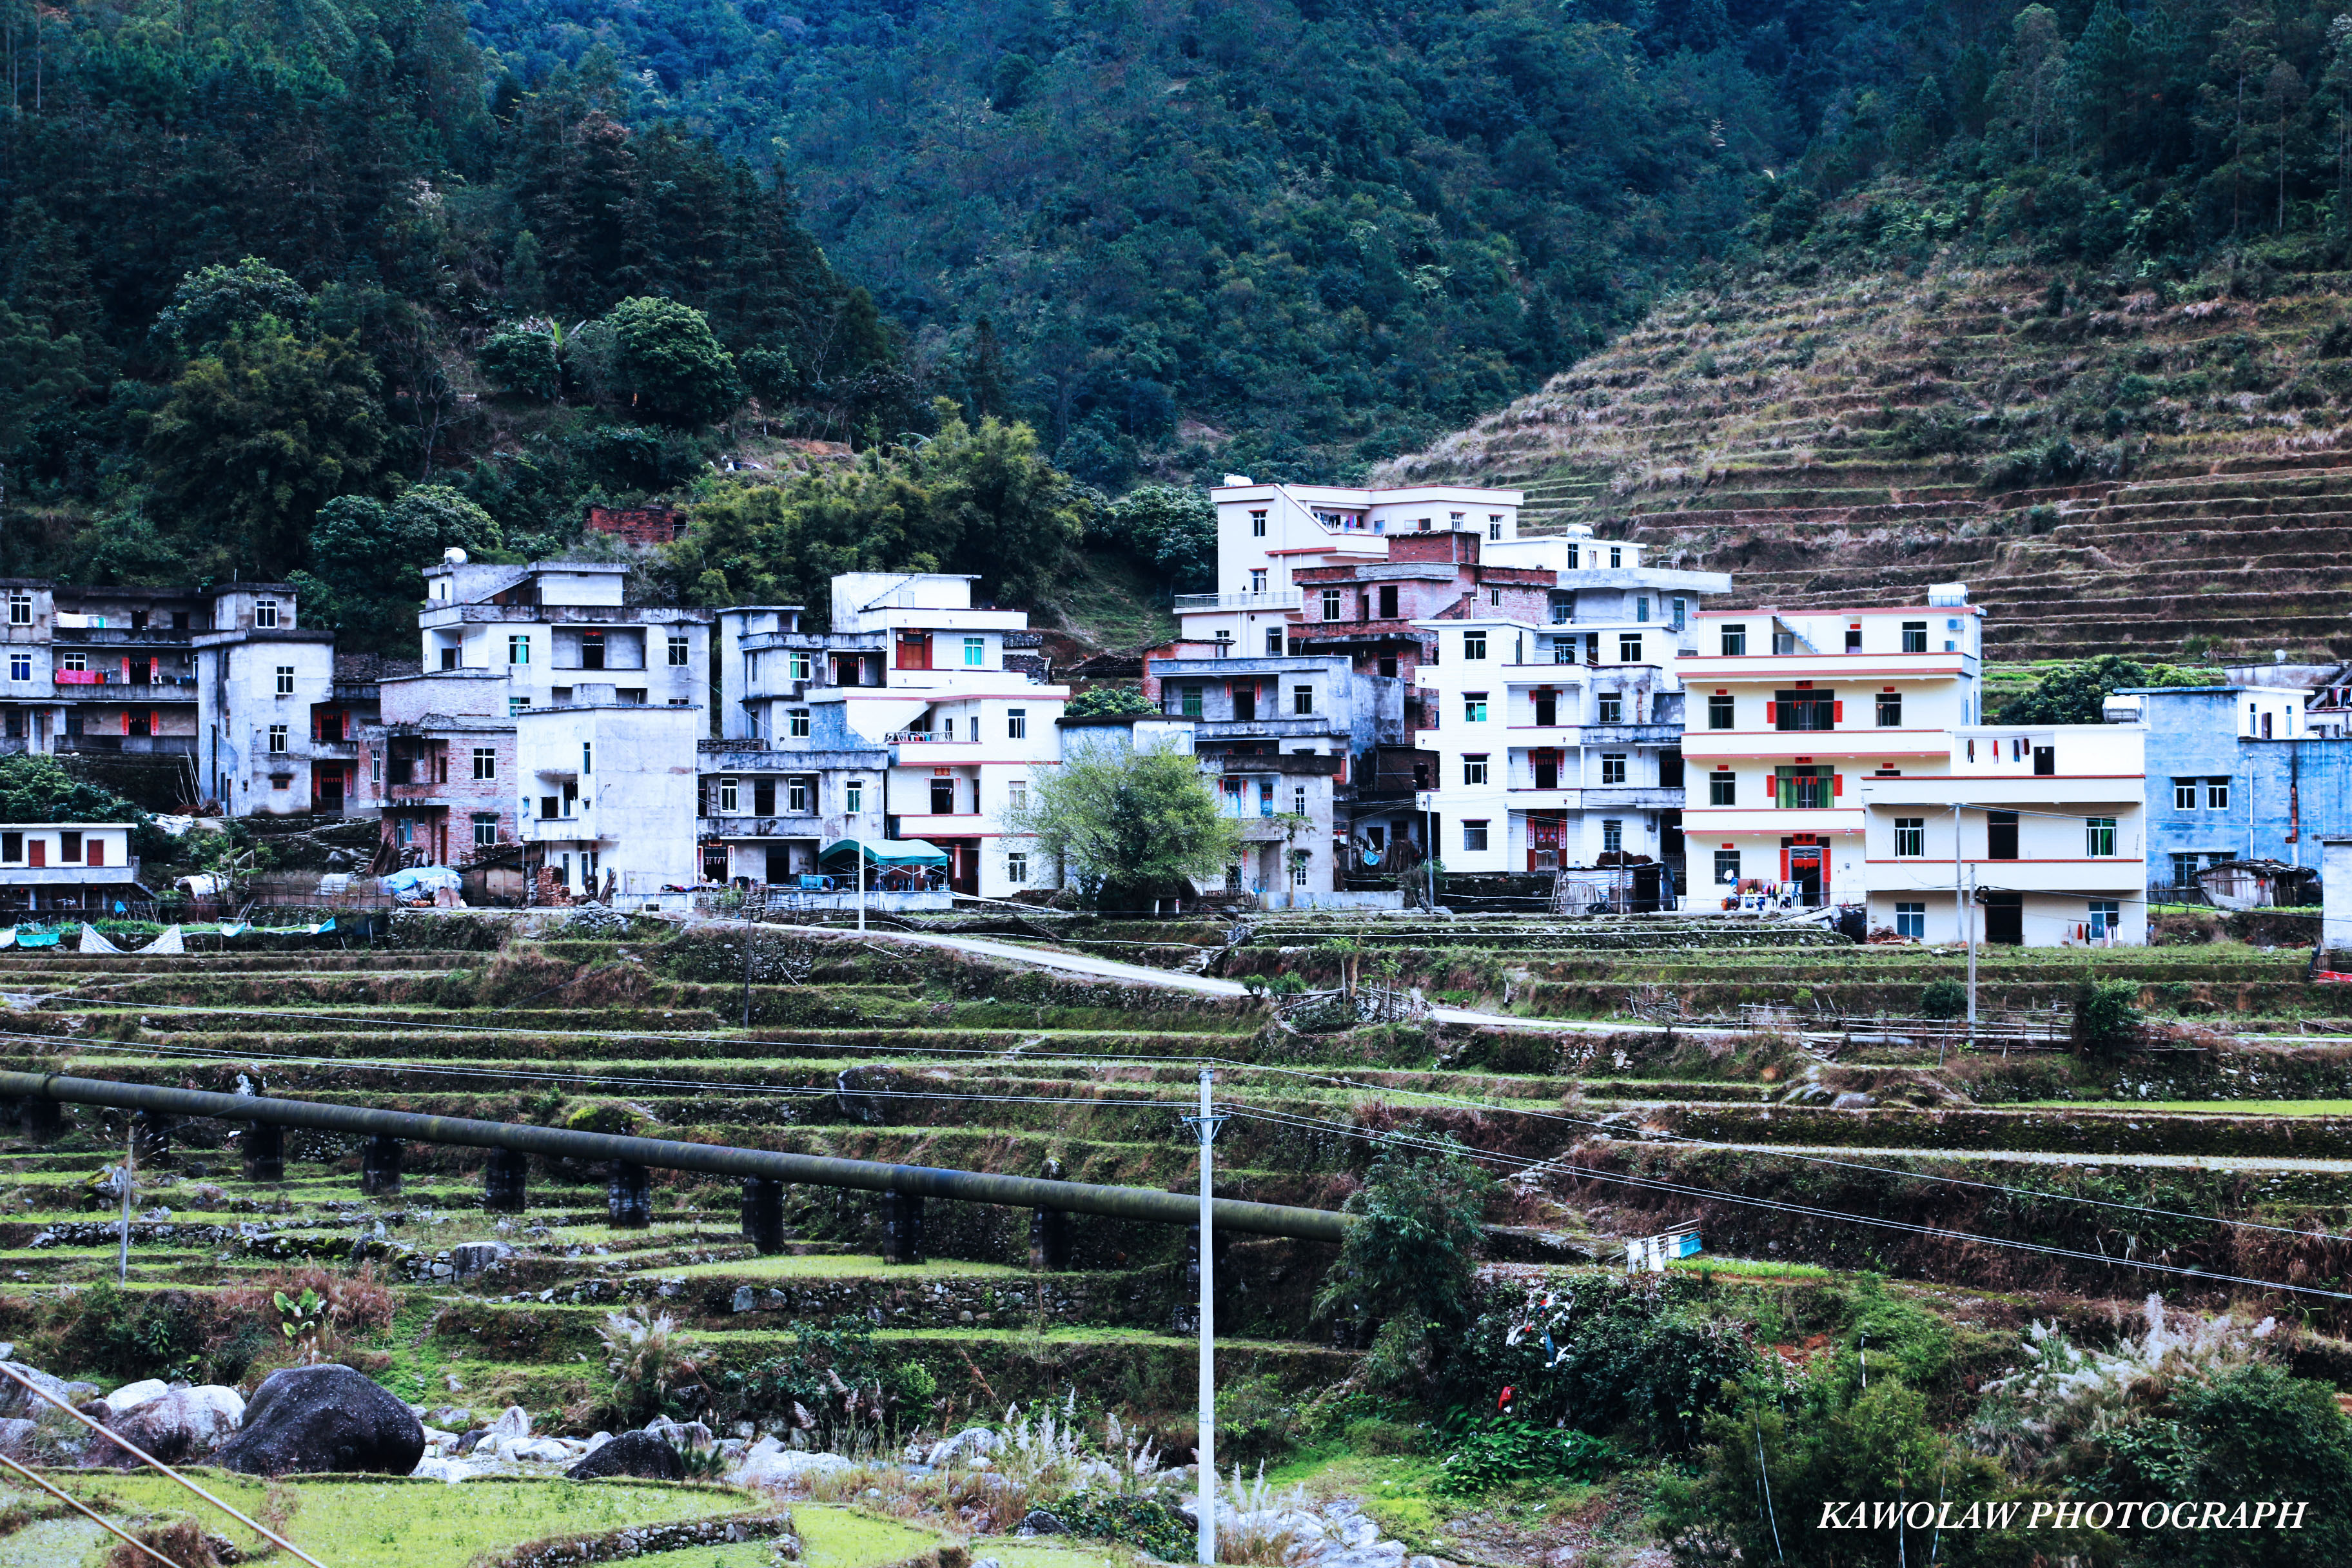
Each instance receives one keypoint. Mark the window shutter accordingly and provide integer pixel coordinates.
(1837, 712)
(1771, 712)
(1837, 785)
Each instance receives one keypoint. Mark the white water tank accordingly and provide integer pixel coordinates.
(453, 556)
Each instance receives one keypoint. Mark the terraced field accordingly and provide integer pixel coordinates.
(2134, 471)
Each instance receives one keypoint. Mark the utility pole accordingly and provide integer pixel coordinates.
(1205, 1126)
(859, 844)
(1969, 913)
(130, 1180)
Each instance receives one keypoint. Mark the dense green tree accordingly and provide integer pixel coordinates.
(1109, 701)
(366, 555)
(1128, 825)
(35, 788)
(1171, 526)
(2077, 693)
(668, 366)
(258, 435)
(1408, 1261)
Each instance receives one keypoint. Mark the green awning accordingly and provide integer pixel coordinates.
(883, 852)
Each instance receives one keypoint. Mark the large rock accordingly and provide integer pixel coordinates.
(640, 1454)
(17, 1400)
(513, 1421)
(178, 1425)
(307, 1419)
(469, 1258)
(132, 1395)
(962, 1448)
(769, 1465)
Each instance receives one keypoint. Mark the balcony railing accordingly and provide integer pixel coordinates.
(927, 738)
(1286, 600)
(115, 678)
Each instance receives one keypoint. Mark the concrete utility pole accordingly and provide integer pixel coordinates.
(1969, 913)
(1205, 1451)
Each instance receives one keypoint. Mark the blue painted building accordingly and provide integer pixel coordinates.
(2236, 772)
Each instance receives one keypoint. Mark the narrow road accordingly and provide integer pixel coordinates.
(1206, 985)
(2016, 1157)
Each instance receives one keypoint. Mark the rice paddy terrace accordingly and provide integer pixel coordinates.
(2121, 471)
(875, 1049)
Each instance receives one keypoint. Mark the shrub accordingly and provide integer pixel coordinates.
(1144, 1521)
(1486, 1454)
(651, 1375)
(2107, 1014)
(1410, 1259)
(1943, 999)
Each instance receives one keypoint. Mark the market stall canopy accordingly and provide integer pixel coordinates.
(887, 852)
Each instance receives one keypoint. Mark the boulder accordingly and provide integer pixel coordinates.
(308, 1419)
(639, 1454)
(455, 1417)
(132, 1395)
(779, 1467)
(472, 1440)
(14, 1400)
(450, 1471)
(536, 1450)
(514, 1421)
(178, 1426)
(684, 1434)
(471, 1258)
(16, 1436)
(962, 1448)
(1040, 1522)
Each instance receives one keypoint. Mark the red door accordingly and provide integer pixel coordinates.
(1543, 843)
(39, 848)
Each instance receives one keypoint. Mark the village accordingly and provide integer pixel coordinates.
(1389, 685)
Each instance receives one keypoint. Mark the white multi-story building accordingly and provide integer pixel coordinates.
(1788, 713)
(607, 793)
(917, 716)
(1610, 580)
(2052, 841)
(270, 739)
(1558, 745)
(1265, 532)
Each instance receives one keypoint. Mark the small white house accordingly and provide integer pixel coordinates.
(607, 794)
(80, 867)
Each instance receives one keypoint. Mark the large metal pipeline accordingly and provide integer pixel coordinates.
(719, 1160)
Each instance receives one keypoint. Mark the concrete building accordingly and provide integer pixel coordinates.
(607, 795)
(915, 715)
(76, 867)
(1267, 533)
(1559, 746)
(1608, 583)
(1786, 712)
(2237, 772)
(2052, 836)
(441, 767)
(273, 741)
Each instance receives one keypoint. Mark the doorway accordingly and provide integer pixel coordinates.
(1543, 843)
(1806, 866)
(2004, 918)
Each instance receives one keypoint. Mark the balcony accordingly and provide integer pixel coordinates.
(114, 678)
(1288, 599)
(125, 636)
(1630, 798)
(927, 738)
(731, 825)
(1299, 726)
(130, 745)
(1633, 734)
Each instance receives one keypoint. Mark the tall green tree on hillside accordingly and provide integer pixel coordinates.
(367, 555)
(1130, 826)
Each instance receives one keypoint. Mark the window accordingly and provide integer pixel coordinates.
(2000, 836)
(1298, 801)
(1330, 603)
(1473, 707)
(1016, 795)
(285, 680)
(2107, 915)
(1257, 580)
(1563, 650)
(1910, 836)
(450, 656)
(729, 797)
(1389, 603)
(1612, 767)
(975, 653)
(550, 807)
(2184, 867)
(277, 737)
(265, 613)
(1494, 526)
(516, 705)
(1914, 637)
(20, 609)
(677, 647)
(1188, 700)
(591, 650)
(1804, 709)
(632, 695)
(1804, 788)
(1911, 920)
(1642, 609)
(1258, 525)
(1723, 789)
(800, 664)
(1616, 555)
(1473, 769)
(1016, 723)
(75, 661)
(1016, 867)
(1734, 642)
(2098, 835)
(2045, 760)
(1473, 836)
(1726, 868)
(2184, 796)
(796, 796)
(1629, 647)
(1682, 613)
(1612, 836)
(1474, 645)
(519, 649)
(852, 795)
(587, 758)
(485, 829)
(70, 849)
(2216, 795)
(796, 723)
(1719, 711)
(12, 847)
(1495, 598)
(1611, 707)
(20, 666)
(1302, 699)
(1890, 709)
(485, 762)
(1274, 642)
